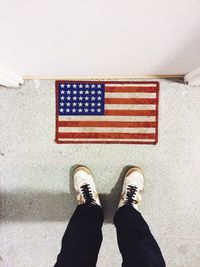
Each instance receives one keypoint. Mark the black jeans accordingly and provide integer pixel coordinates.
(82, 239)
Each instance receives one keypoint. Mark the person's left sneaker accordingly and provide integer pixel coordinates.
(85, 186)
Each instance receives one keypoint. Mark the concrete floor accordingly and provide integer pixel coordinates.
(35, 186)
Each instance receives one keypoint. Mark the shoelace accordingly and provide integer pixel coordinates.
(87, 194)
(130, 194)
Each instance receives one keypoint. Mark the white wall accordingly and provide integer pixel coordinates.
(100, 38)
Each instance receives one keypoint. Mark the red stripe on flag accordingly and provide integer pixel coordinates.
(130, 101)
(121, 124)
(106, 142)
(130, 89)
(130, 112)
(107, 135)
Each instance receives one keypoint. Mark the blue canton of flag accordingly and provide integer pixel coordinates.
(81, 99)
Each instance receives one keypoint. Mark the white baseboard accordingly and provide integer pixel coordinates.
(193, 77)
(56, 77)
(10, 79)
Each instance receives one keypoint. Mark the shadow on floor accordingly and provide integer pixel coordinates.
(34, 206)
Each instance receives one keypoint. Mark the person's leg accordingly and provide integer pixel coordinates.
(82, 239)
(83, 236)
(136, 243)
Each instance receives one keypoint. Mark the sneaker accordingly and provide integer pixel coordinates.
(133, 184)
(85, 186)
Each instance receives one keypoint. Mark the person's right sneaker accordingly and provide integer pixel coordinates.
(133, 184)
(85, 186)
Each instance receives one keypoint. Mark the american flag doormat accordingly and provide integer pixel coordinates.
(115, 112)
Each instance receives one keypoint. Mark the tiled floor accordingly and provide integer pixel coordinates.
(35, 184)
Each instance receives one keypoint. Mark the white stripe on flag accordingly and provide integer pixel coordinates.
(131, 84)
(107, 118)
(105, 130)
(130, 95)
(130, 107)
